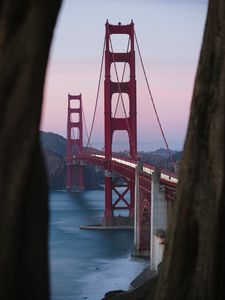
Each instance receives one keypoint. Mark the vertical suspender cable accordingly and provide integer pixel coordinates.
(152, 100)
(85, 125)
(123, 74)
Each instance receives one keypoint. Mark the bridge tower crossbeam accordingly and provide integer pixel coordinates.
(74, 180)
(112, 124)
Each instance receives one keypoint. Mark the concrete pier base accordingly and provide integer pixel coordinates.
(102, 227)
(158, 221)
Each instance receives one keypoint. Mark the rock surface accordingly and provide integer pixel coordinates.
(144, 292)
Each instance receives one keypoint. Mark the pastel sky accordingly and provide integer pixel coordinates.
(169, 33)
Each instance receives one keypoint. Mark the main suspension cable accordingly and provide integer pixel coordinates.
(97, 96)
(85, 125)
(151, 97)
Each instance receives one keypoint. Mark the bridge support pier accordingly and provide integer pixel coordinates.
(119, 196)
(158, 221)
(142, 216)
(108, 215)
(137, 222)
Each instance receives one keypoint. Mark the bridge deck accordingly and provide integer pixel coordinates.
(126, 168)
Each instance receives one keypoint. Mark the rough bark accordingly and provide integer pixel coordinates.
(26, 29)
(194, 261)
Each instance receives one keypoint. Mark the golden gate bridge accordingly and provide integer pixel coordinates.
(141, 189)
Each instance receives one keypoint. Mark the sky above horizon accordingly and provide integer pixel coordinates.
(169, 33)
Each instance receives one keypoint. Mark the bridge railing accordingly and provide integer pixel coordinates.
(98, 157)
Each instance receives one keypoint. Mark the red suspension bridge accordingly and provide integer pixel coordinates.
(130, 185)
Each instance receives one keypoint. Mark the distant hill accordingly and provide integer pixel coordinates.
(164, 152)
(54, 151)
(53, 142)
(161, 158)
(56, 169)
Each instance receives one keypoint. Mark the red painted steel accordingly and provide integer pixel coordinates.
(116, 167)
(129, 123)
(145, 223)
(128, 172)
(74, 180)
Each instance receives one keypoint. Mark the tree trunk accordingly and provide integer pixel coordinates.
(26, 29)
(194, 262)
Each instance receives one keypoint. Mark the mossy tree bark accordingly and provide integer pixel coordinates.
(194, 261)
(26, 29)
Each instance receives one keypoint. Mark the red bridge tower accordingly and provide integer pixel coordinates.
(128, 123)
(74, 179)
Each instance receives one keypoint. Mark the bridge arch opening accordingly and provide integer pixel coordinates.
(120, 71)
(75, 133)
(120, 43)
(121, 198)
(120, 105)
(120, 142)
(145, 228)
(75, 117)
(74, 103)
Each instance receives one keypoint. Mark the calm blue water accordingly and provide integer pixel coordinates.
(86, 264)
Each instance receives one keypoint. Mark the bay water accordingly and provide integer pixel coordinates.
(85, 264)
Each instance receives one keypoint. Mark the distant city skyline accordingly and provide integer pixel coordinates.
(170, 34)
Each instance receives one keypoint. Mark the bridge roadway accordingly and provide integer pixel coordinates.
(126, 167)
